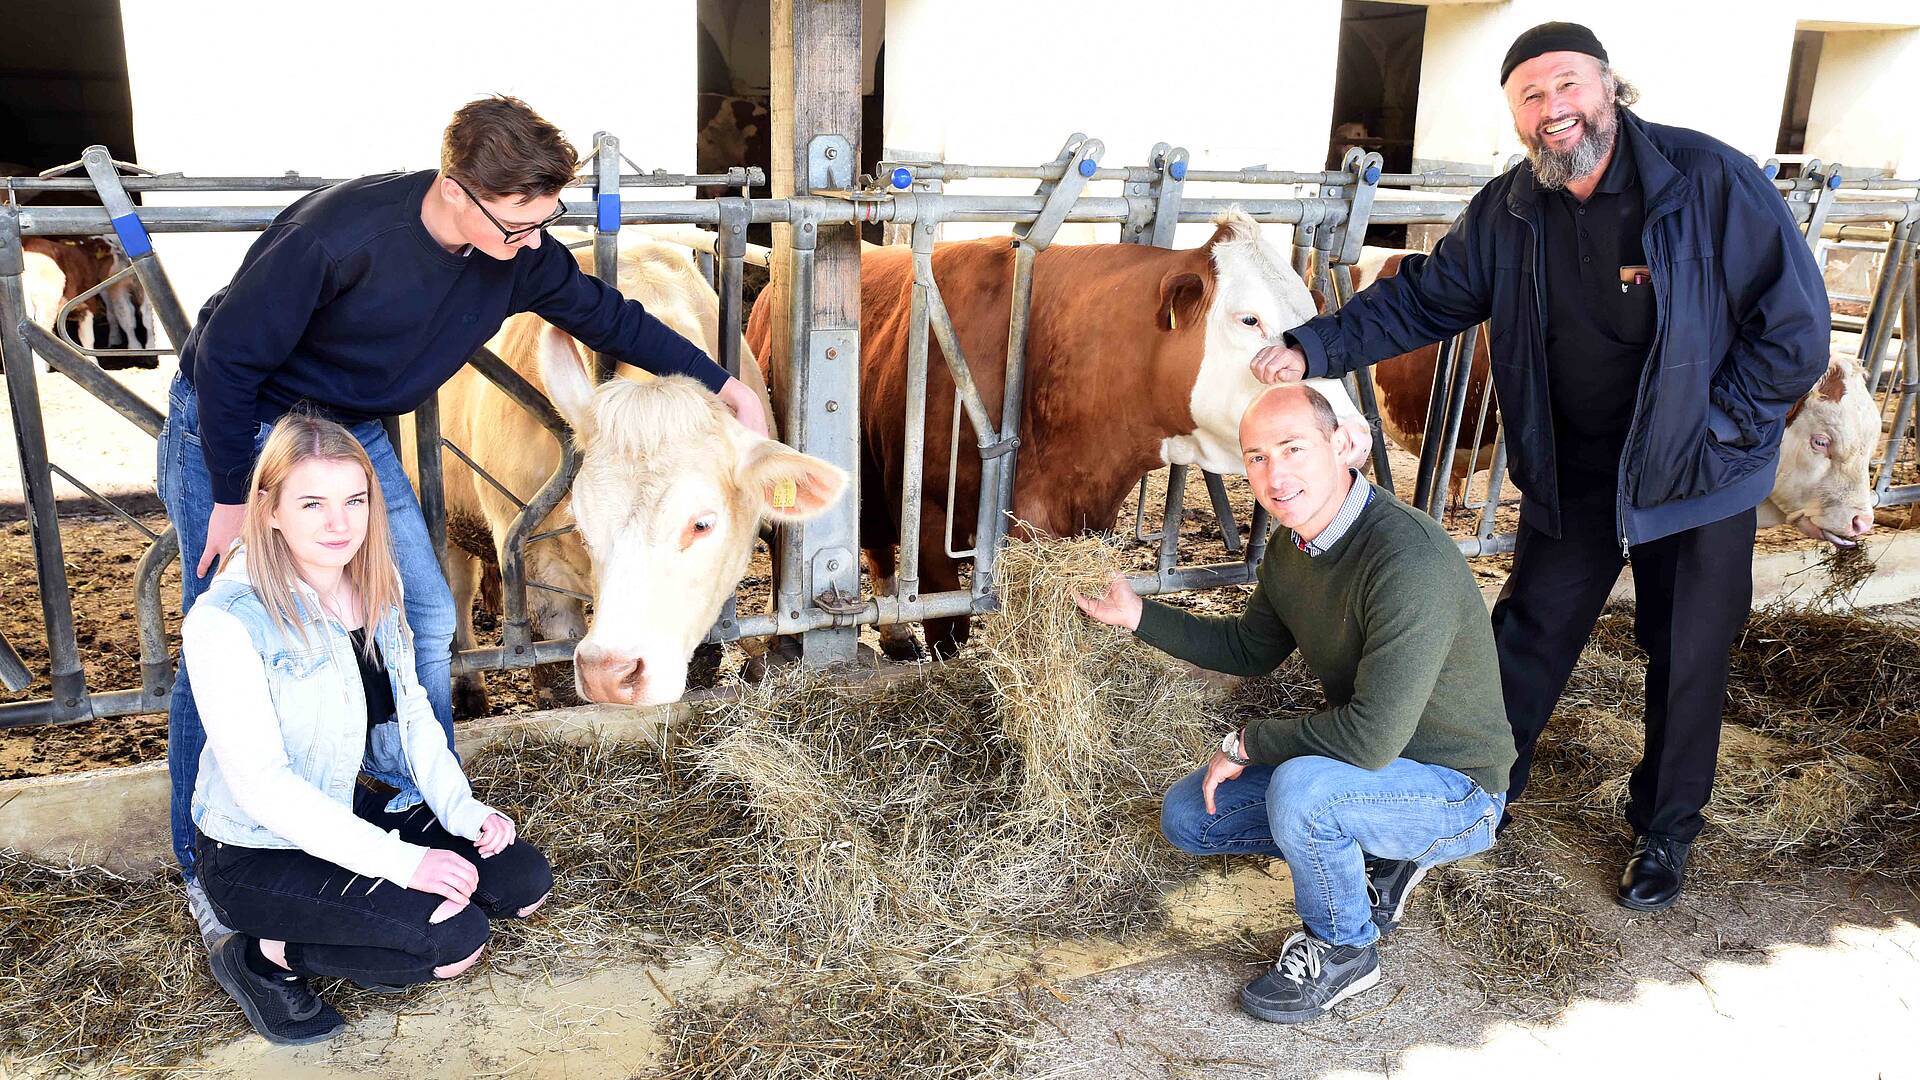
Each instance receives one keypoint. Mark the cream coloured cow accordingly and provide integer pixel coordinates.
(1823, 488)
(669, 496)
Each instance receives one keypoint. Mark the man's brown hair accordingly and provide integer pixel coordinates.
(498, 146)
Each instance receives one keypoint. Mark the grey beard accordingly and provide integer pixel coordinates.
(1555, 169)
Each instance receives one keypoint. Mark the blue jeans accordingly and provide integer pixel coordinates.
(1325, 817)
(186, 489)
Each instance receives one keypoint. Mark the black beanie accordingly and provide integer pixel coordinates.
(1550, 37)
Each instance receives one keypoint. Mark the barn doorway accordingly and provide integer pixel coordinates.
(1376, 90)
(734, 117)
(63, 84)
(1798, 105)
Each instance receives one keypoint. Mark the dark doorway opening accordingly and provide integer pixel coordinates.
(1376, 90)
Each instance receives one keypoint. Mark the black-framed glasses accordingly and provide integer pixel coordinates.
(519, 232)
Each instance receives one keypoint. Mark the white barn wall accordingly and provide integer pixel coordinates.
(224, 87)
(1246, 82)
(1863, 113)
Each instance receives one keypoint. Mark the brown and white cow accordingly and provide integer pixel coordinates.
(667, 503)
(1136, 357)
(1822, 487)
(1826, 454)
(84, 263)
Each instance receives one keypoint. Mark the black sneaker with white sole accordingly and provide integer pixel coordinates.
(1389, 883)
(283, 1009)
(1310, 977)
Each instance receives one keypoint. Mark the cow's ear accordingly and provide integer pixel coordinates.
(791, 486)
(1184, 296)
(564, 373)
(1833, 385)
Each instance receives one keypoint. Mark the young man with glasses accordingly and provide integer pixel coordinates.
(358, 302)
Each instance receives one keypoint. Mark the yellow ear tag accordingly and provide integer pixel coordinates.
(785, 494)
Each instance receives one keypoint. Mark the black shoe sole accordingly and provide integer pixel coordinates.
(1635, 905)
(232, 986)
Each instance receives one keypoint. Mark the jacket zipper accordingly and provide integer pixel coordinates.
(1660, 289)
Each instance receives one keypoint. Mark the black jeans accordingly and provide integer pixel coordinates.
(1692, 593)
(369, 930)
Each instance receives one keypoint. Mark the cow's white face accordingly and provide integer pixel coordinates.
(1822, 487)
(1255, 298)
(668, 500)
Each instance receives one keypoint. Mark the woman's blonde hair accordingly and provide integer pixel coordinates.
(296, 439)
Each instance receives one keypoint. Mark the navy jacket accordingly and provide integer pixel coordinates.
(1741, 331)
(346, 302)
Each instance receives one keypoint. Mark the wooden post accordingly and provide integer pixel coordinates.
(816, 133)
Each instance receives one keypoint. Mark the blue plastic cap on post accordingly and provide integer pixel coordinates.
(133, 235)
(902, 178)
(607, 212)
(1772, 169)
(1372, 174)
(1833, 182)
(1088, 167)
(1178, 170)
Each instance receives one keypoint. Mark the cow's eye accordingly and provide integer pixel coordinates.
(1250, 320)
(1821, 442)
(703, 524)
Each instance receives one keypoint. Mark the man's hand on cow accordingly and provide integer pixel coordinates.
(1118, 606)
(1220, 769)
(1279, 364)
(223, 528)
(745, 405)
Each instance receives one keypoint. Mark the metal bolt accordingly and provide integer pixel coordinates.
(793, 614)
(833, 406)
(833, 353)
(831, 153)
(833, 565)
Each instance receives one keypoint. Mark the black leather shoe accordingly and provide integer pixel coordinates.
(1654, 873)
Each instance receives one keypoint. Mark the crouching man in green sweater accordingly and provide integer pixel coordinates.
(1407, 766)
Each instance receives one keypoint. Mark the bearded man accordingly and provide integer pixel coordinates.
(1654, 315)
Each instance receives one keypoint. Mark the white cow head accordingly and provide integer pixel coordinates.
(1252, 298)
(669, 497)
(1822, 487)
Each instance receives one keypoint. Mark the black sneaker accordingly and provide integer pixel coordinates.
(1310, 977)
(1389, 883)
(285, 1011)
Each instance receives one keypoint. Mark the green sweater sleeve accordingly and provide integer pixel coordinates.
(1406, 639)
(1253, 644)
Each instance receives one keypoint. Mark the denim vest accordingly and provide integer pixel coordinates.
(320, 706)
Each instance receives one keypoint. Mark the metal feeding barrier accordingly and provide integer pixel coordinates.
(1329, 223)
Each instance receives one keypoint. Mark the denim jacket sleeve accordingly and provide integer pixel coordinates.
(252, 757)
(1778, 302)
(1430, 298)
(436, 771)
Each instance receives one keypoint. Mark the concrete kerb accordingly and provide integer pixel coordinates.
(118, 817)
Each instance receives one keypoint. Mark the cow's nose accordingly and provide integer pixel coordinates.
(608, 676)
(1861, 525)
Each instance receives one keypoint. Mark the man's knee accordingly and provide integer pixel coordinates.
(1184, 817)
(1301, 793)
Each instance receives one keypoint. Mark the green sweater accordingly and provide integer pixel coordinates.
(1390, 621)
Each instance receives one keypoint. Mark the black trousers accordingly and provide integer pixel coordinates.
(1692, 594)
(369, 930)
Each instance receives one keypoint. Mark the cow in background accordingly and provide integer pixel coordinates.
(84, 263)
(667, 503)
(1823, 487)
(1136, 357)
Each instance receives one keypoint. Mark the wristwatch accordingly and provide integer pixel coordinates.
(1234, 745)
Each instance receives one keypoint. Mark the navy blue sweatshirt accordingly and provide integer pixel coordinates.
(347, 303)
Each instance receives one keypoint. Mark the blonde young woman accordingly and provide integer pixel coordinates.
(303, 666)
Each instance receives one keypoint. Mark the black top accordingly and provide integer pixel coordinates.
(348, 303)
(1598, 333)
(373, 682)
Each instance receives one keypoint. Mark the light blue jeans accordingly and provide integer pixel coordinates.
(1325, 817)
(186, 489)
